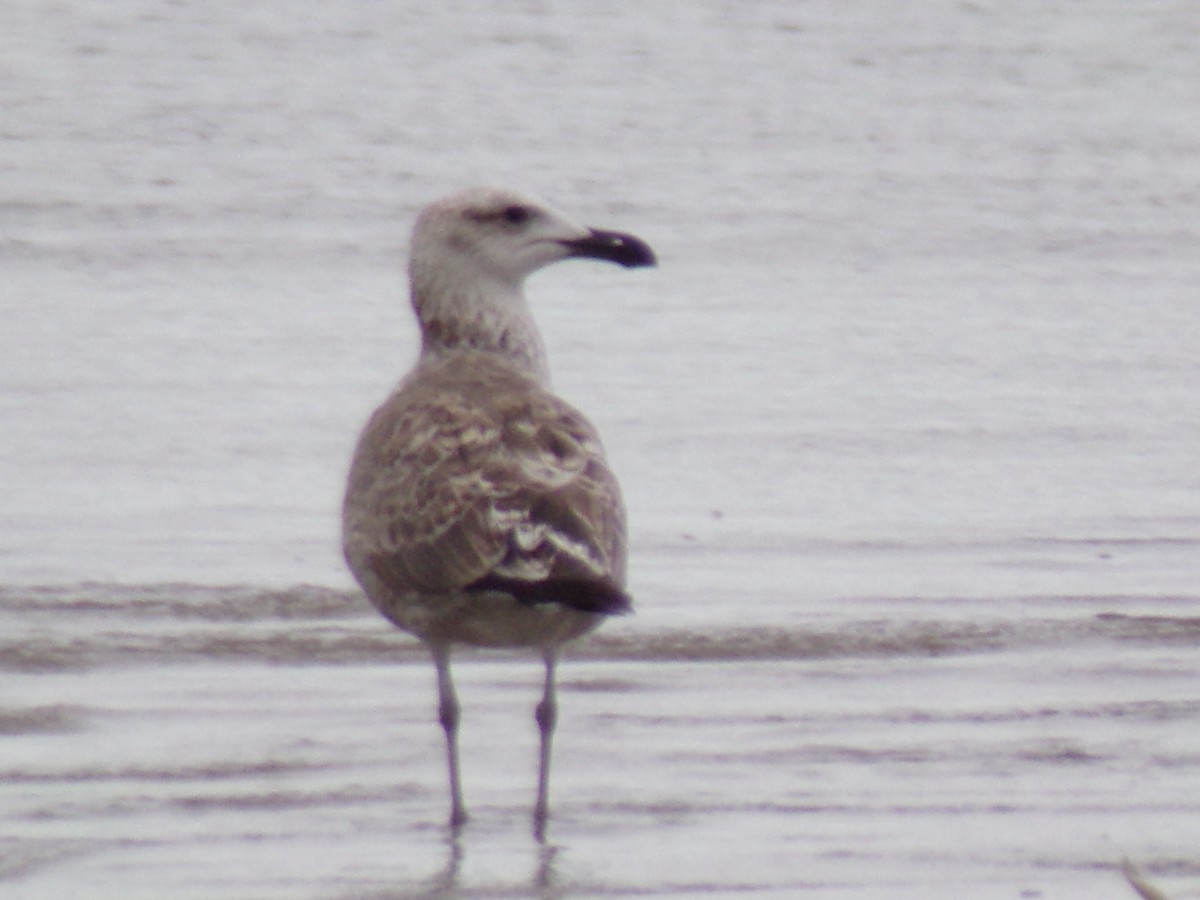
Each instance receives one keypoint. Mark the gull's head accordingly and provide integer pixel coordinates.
(470, 254)
(502, 236)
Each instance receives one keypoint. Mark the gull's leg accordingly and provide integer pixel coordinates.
(448, 716)
(546, 716)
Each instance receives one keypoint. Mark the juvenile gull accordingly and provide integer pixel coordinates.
(480, 509)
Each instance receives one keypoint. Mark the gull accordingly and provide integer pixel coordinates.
(479, 507)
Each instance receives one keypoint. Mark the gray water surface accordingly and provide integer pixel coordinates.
(907, 421)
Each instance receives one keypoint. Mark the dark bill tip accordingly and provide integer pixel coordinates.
(614, 246)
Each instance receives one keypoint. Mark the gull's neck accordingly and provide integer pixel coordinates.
(481, 314)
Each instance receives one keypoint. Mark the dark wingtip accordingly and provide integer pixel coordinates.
(614, 246)
(600, 597)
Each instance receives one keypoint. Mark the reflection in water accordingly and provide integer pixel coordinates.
(546, 878)
(447, 882)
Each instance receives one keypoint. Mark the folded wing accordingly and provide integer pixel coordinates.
(473, 478)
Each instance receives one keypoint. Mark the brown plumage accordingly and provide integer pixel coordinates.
(480, 508)
(473, 477)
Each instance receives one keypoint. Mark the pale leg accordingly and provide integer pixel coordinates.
(448, 715)
(546, 716)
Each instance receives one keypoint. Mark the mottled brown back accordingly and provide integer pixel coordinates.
(473, 476)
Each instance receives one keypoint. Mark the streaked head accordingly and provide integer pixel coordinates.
(505, 236)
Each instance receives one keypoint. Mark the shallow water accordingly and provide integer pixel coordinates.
(907, 422)
(232, 742)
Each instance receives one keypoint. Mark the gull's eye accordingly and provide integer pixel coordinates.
(516, 214)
